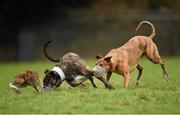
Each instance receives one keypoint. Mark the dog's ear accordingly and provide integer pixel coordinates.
(46, 71)
(107, 59)
(98, 57)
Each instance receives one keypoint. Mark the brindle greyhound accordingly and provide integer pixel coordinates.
(125, 59)
(70, 68)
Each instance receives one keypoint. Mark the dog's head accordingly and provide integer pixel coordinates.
(34, 80)
(51, 80)
(103, 65)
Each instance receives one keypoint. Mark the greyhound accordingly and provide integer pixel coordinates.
(125, 59)
(70, 68)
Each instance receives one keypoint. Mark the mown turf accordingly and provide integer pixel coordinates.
(154, 95)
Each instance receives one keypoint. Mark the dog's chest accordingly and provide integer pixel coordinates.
(75, 79)
(80, 79)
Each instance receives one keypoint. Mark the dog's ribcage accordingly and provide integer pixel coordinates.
(74, 68)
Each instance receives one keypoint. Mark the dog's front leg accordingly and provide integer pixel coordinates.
(126, 78)
(59, 83)
(107, 85)
(108, 76)
(92, 81)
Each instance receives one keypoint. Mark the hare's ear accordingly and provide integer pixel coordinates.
(46, 71)
(98, 57)
(108, 59)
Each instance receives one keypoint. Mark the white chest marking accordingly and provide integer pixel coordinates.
(59, 71)
(80, 79)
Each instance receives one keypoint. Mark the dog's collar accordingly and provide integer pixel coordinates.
(110, 65)
(59, 71)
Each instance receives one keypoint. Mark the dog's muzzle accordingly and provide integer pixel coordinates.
(99, 71)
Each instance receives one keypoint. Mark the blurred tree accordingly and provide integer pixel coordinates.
(71, 23)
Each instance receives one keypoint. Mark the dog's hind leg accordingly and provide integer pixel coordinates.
(165, 74)
(153, 55)
(140, 70)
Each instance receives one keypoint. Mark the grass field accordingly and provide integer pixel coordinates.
(154, 95)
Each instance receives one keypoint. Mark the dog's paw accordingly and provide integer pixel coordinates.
(109, 86)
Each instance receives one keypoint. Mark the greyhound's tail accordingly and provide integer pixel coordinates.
(45, 53)
(153, 33)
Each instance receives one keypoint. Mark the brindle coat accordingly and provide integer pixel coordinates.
(76, 71)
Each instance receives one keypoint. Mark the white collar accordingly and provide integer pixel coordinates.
(59, 71)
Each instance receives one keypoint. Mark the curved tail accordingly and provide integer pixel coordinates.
(153, 33)
(45, 53)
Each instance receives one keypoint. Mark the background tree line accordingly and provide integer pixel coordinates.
(87, 27)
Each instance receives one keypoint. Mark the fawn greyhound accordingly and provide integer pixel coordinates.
(125, 59)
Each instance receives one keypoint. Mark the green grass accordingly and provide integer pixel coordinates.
(154, 95)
